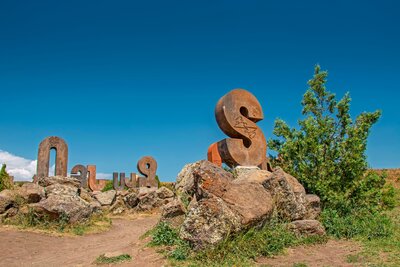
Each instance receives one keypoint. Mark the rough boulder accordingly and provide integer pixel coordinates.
(224, 203)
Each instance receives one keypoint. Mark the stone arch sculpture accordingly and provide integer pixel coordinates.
(43, 161)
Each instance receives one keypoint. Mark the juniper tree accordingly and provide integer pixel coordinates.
(327, 152)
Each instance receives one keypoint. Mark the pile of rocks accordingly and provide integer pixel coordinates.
(58, 196)
(222, 203)
(51, 196)
(140, 199)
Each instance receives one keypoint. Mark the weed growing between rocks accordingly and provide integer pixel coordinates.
(240, 249)
(31, 220)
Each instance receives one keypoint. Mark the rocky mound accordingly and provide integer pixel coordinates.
(62, 197)
(222, 203)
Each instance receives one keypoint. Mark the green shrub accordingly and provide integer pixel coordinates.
(327, 152)
(5, 181)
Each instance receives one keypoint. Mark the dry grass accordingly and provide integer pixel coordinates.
(393, 176)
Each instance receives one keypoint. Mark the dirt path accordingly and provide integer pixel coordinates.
(22, 248)
(333, 253)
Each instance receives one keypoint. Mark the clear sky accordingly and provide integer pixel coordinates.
(122, 79)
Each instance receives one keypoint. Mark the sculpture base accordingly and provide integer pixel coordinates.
(244, 171)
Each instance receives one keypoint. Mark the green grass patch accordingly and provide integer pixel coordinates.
(377, 231)
(383, 251)
(238, 250)
(102, 259)
(357, 224)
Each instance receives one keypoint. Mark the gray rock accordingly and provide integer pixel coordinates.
(7, 200)
(256, 176)
(31, 192)
(173, 213)
(47, 181)
(106, 198)
(149, 201)
(209, 222)
(307, 227)
(289, 195)
(74, 208)
(186, 182)
(164, 192)
(313, 207)
(225, 208)
(118, 207)
(132, 199)
(143, 191)
(241, 172)
(62, 189)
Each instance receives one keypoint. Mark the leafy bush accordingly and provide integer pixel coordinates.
(327, 153)
(5, 181)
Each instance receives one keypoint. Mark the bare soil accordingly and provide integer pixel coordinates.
(333, 253)
(26, 248)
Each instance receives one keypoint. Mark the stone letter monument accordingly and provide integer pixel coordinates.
(237, 113)
(43, 161)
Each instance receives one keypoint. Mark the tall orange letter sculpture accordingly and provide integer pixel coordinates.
(237, 113)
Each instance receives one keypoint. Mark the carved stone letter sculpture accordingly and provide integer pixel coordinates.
(80, 172)
(213, 155)
(237, 113)
(43, 161)
(93, 185)
(132, 182)
(119, 186)
(147, 166)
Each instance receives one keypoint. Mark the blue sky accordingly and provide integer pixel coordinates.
(122, 79)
